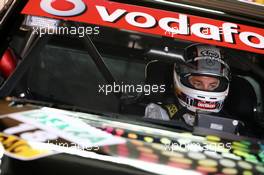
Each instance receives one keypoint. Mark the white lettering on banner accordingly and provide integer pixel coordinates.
(214, 31)
(228, 32)
(109, 17)
(79, 7)
(133, 16)
(245, 37)
(38, 136)
(228, 29)
(25, 132)
(20, 128)
(164, 23)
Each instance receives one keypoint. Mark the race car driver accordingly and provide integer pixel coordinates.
(199, 86)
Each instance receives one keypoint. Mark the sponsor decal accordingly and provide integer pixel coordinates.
(210, 53)
(38, 133)
(151, 21)
(67, 127)
(63, 7)
(171, 109)
(255, 2)
(16, 135)
(206, 105)
(18, 148)
(216, 126)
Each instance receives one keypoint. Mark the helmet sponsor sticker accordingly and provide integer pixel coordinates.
(205, 105)
(210, 53)
(151, 21)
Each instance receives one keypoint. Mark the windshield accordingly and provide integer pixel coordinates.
(126, 74)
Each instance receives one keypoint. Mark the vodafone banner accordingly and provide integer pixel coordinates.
(151, 21)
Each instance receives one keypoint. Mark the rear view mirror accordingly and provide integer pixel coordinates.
(167, 54)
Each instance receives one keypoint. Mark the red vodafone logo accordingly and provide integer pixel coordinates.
(152, 21)
(64, 8)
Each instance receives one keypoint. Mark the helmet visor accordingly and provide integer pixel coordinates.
(205, 73)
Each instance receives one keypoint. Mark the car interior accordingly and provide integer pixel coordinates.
(60, 70)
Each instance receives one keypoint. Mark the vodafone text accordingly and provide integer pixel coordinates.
(228, 29)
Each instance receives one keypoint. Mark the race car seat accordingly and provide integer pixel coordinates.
(156, 73)
(242, 100)
(1, 79)
(159, 73)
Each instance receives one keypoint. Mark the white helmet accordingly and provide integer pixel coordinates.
(202, 60)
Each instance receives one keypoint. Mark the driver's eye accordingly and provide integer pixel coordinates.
(201, 86)
(212, 87)
(198, 85)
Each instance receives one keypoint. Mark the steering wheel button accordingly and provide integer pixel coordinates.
(231, 156)
(208, 162)
(148, 139)
(132, 136)
(172, 154)
(165, 141)
(212, 154)
(245, 165)
(196, 155)
(247, 173)
(229, 171)
(207, 169)
(239, 144)
(260, 168)
(213, 138)
(227, 163)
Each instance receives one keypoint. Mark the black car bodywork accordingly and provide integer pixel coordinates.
(65, 72)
